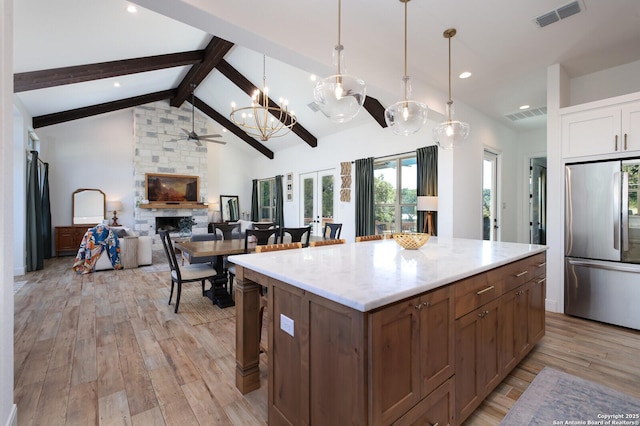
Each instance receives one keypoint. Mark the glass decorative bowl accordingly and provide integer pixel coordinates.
(411, 241)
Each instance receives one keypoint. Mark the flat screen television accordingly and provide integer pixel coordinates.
(163, 188)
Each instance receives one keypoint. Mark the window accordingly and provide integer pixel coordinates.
(395, 187)
(267, 200)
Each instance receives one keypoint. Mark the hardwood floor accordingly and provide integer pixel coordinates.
(105, 348)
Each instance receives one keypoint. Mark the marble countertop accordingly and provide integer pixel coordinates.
(368, 275)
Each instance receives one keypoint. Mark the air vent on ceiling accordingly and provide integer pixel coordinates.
(531, 112)
(313, 107)
(562, 12)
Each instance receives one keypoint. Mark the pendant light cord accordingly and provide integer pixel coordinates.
(450, 101)
(339, 46)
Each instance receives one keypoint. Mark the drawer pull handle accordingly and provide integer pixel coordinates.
(541, 280)
(625, 141)
(616, 144)
(418, 306)
(540, 265)
(491, 287)
(521, 274)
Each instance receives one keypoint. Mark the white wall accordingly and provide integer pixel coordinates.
(604, 84)
(8, 413)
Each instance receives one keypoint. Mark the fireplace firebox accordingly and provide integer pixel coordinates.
(168, 223)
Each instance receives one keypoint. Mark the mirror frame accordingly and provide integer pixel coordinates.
(73, 206)
(225, 214)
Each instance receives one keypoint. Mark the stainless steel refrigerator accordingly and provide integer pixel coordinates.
(602, 242)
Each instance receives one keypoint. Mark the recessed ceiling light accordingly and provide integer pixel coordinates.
(224, 130)
(465, 74)
(525, 106)
(116, 84)
(131, 9)
(313, 77)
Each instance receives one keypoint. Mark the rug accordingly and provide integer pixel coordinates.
(558, 398)
(198, 309)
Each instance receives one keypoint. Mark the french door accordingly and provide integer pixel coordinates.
(317, 197)
(490, 219)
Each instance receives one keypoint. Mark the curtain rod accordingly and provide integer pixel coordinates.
(392, 155)
(38, 157)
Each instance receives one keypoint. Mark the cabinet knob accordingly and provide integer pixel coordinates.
(426, 304)
(418, 306)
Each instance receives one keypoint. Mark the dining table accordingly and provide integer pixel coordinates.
(219, 248)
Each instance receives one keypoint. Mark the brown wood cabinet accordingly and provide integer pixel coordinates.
(68, 239)
(428, 359)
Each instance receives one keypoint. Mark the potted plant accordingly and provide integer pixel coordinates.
(185, 224)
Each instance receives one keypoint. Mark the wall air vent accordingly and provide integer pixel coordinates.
(531, 112)
(562, 12)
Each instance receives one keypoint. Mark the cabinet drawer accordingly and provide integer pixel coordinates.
(475, 291)
(437, 408)
(512, 275)
(538, 264)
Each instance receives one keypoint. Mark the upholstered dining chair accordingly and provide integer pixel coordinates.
(334, 230)
(326, 242)
(297, 235)
(208, 259)
(262, 237)
(186, 273)
(369, 238)
(227, 230)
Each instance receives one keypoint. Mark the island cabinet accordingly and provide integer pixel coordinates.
(429, 357)
(411, 354)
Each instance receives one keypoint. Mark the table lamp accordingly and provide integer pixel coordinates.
(427, 204)
(114, 206)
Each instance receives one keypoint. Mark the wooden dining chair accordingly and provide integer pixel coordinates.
(262, 237)
(186, 273)
(334, 230)
(264, 225)
(326, 242)
(227, 230)
(369, 238)
(297, 235)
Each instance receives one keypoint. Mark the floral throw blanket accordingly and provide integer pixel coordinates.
(96, 240)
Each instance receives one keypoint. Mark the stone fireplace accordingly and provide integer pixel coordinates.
(157, 127)
(168, 223)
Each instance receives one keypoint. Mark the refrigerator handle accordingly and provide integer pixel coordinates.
(569, 211)
(625, 211)
(616, 211)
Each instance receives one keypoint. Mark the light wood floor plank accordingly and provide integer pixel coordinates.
(152, 367)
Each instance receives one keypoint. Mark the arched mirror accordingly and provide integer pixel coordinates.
(87, 206)
(229, 208)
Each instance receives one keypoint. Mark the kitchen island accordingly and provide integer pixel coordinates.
(370, 333)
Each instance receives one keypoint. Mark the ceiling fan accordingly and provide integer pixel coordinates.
(192, 136)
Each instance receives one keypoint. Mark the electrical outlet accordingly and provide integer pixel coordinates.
(286, 324)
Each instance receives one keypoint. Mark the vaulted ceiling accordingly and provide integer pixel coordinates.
(68, 55)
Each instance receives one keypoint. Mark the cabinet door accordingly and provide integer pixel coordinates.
(436, 339)
(536, 314)
(591, 132)
(394, 349)
(477, 367)
(631, 127)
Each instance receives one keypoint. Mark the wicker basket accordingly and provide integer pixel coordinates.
(411, 241)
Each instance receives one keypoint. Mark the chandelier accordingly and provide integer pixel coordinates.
(406, 117)
(264, 119)
(450, 133)
(340, 96)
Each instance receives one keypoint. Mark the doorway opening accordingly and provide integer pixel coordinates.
(490, 194)
(317, 198)
(538, 200)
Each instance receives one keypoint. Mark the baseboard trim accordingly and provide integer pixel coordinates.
(13, 416)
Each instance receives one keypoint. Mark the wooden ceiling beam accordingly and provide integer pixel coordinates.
(375, 109)
(213, 54)
(77, 74)
(75, 114)
(245, 85)
(228, 124)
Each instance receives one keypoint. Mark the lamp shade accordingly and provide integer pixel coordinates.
(427, 203)
(114, 206)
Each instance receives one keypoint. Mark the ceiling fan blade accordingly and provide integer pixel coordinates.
(215, 141)
(210, 136)
(186, 132)
(197, 141)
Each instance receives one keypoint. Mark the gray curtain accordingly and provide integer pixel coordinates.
(427, 159)
(279, 202)
(255, 212)
(365, 211)
(46, 213)
(35, 240)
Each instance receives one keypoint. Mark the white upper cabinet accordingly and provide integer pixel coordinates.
(602, 131)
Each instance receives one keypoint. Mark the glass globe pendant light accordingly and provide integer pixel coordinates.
(340, 96)
(450, 133)
(406, 117)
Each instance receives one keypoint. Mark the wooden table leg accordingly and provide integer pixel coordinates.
(247, 332)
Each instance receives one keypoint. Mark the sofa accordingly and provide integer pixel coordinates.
(125, 235)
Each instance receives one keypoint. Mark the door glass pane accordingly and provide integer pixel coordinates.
(385, 182)
(409, 179)
(307, 197)
(408, 218)
(487, 199)
(327, 198)
(385, 219)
